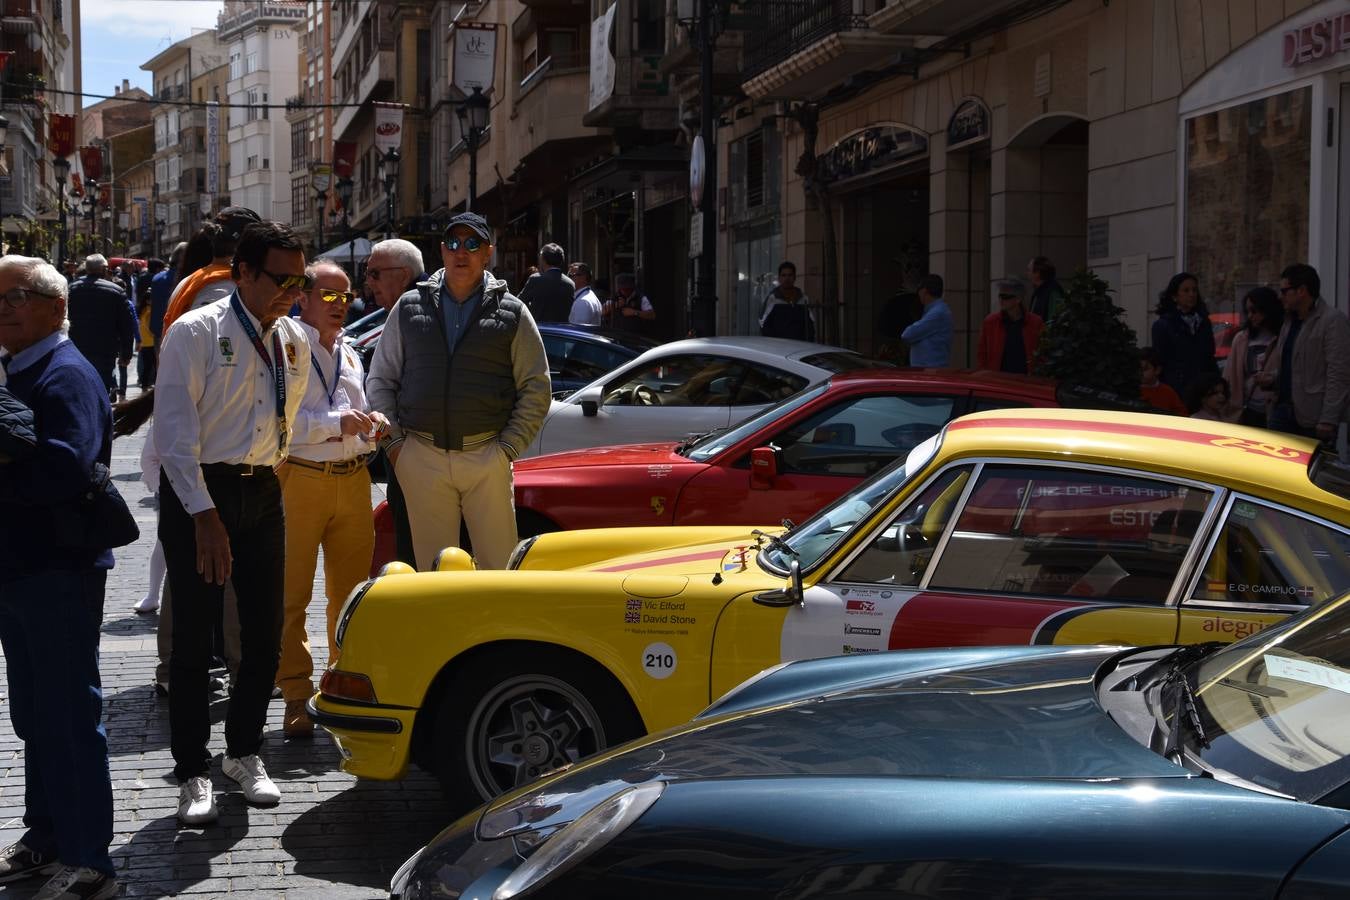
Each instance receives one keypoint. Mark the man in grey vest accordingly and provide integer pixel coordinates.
(460, 373)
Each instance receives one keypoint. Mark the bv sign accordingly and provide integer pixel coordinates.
(1317, 40)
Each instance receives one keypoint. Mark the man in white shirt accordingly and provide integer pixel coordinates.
(586, 308)
(232, 384)
(325, 486)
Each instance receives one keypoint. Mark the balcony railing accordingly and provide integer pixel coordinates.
(556, 64)
(787, 28)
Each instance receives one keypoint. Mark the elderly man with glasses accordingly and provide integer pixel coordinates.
(51, 593)
(460, 372)
(325, 487)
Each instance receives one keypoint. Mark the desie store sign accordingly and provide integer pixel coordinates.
(1317, 40)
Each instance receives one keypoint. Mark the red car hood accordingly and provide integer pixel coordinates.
(625, 455)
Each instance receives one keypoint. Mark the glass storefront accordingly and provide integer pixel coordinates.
(1248, 170)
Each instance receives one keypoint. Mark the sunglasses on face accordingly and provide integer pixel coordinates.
(18, 297)
(330, 296)
(374, 274)
(471, 243)
(290, 282)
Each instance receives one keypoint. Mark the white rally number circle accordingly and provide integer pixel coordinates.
(659, 660)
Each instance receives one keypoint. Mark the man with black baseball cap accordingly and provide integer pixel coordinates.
(460, 373)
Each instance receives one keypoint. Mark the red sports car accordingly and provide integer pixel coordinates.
(786, 462)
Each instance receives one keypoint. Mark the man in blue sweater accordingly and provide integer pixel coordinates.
(930, 338)
(51, 594)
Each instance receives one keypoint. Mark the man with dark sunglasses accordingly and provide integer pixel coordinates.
(325, 486)
(232, 378)
(460, 372)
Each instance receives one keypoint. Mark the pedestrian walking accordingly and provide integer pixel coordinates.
(51, 593)
(629, 309)
(1182, 334)
(586, 309)
(452, 449)
(325, 486)
(208, 263)
(549, 294)
(231, 381)
(1008, 338)
(102, 322)
(1263, 319)
(161, 290)
(930, 338)
(1308, 369)
(787, 312)
(1154, 391)
(145, 355)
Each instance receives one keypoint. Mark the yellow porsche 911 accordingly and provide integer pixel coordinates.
(1014, 526)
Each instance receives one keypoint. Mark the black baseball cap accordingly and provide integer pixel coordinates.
(234, 219)
(470, 220)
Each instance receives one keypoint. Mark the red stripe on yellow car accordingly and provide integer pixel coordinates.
(1268, 450)
(948, 620)
(664, 561)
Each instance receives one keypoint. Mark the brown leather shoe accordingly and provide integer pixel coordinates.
(297, 723)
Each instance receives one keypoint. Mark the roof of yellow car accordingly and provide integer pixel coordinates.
(1267, 463)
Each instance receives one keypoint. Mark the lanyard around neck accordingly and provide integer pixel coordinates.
(273, 363)
(330, 392)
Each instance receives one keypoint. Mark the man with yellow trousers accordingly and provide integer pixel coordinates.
(325, 487)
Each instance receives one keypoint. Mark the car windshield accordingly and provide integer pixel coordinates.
(1275, 708)
(812, 540)
(838, 361)
(714, 442)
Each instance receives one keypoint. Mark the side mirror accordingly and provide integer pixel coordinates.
(791, 594)
(763, 468)
(589, 400)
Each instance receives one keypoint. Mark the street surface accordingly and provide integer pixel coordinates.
(329, 838)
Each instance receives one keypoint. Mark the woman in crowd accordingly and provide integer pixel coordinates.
(1260, 328)
(1182, 335)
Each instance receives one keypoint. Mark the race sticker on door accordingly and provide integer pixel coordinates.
(658, 660)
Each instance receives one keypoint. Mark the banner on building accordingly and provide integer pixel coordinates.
(475, 57)
(77, 186)
(344, 158)
(143, 207)
(388, 127)
(602, 61)
(213, 148)
(91, 160)
(105, 195)
(61, 135)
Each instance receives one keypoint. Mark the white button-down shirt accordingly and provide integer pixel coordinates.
(215, 399)
(317, 435)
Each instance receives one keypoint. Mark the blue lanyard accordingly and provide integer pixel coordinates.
(277, 369)
(337, 373)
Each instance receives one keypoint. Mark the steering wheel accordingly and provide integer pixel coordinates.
(645, 396)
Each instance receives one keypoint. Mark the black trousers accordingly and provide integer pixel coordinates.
(250, 507)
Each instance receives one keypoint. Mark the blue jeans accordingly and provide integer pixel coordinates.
(49, 628)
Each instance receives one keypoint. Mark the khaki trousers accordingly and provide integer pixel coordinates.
(333, 512)
(441, 487)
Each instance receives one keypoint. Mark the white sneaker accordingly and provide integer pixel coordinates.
(71, 883)
(146, 605)
(252, 777)
(197, 802)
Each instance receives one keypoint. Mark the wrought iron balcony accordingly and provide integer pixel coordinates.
(785, 27)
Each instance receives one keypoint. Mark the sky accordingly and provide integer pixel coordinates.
(119, 35)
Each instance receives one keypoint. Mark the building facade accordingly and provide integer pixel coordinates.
(309, 115)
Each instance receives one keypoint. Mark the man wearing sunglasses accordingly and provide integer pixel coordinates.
(460, 372)
(232, 378)
(325, 486)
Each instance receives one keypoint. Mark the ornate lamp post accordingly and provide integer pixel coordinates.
(321, 204)
(344, 189)
(388, 172)
(89, 205)
(4, 135)
(473, 119)
(61, 167)
(703, 20)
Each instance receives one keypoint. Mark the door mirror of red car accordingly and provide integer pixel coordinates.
(763, 468)
(589, 400)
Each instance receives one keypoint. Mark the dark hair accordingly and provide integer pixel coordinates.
(584, 269)
(259, 238)
(1199, 389)
(199, 253)
(1043, 267)
(1150, 356)
(553, 255)
(1303, 275)
(1167, 300)
(932, 284)
(625, 279)
(787, 264)
(1267, 302)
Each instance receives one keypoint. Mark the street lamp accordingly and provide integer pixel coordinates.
(344, 189)
(4, 134)
(473, 118)
(321, 198)
(89, 204)
(703, 21)
(388, 171)
(62, 169)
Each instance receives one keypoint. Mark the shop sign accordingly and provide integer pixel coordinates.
(696, 167)
(321, 176)
(475, 56)
(213, 147)
(1317, 40)
(969, 124)
(696, 235)
(871, 149)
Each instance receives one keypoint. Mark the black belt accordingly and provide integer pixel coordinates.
(239, 470)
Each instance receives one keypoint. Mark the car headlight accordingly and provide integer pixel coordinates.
(582, 838)
(348, 607)
(518, 555)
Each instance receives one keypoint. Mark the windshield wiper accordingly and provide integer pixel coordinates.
(775, 542)
(695, 438)
(1184, 704)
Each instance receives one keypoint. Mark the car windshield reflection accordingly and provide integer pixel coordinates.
(710, 445)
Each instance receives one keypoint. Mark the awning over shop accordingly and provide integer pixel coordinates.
(358, 247)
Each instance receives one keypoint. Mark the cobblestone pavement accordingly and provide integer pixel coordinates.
(331, 837)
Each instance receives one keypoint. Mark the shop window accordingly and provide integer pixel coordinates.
(1236, 240)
